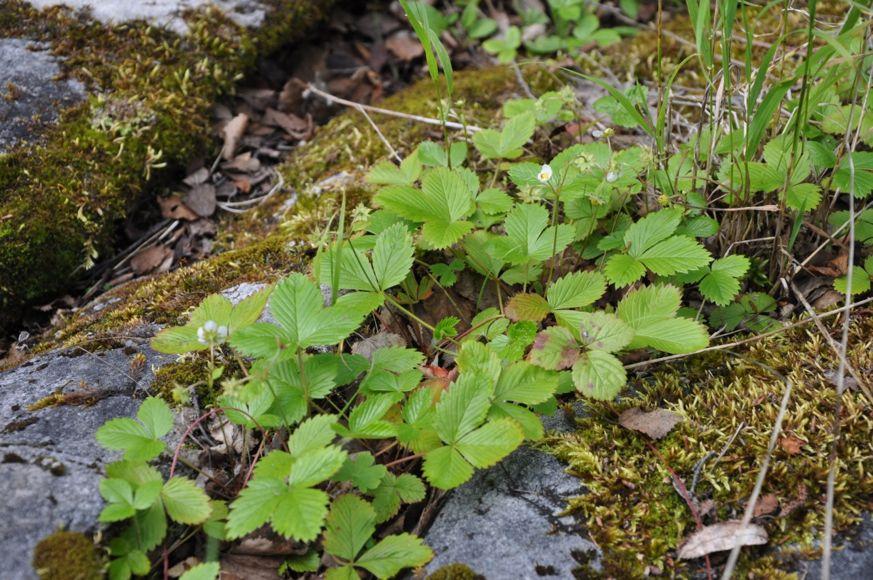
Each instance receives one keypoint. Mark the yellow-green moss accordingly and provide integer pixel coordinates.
(632, 510)
(62, 199)
(67, 556)
(454, 572)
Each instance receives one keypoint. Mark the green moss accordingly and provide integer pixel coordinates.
(67, 556)
(62, 199)
(454, 572)
(632, 510)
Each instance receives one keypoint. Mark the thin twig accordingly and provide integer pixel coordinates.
(765, 464)
(391, 150)
(427, 120)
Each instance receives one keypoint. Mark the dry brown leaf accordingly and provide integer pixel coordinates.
(766, 505)
(404, 45)
(721, 537)
(368, 346)
(791, 444)
(240, 567)
(244, 163)
(201, 199)
(290, 123)
(173, 208)
(656, 424)
(232, 133)
(152, 258)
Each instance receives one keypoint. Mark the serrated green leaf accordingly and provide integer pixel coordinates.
(298, 306)
(350, 523)
(554, 349)
(529, 239)
(860, 282)
(507, 143)
(394, 553)
(446, 468)
(131, 437)
(184, 501)
(599, 375)
(203, 571)
(314, 433)
(575, 290)
(316, 466)
(362, 470)
(156, 416)
(490, 443)
(522, 382)
(254, 506)
(462, 407)
(526, 306)
(603, 331)
(675, 254)
(299, 513)
(394, 490)
(651, 312)
(623, 270)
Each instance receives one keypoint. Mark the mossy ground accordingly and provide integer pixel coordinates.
(636, 516)
(68, 556)
(152, 91)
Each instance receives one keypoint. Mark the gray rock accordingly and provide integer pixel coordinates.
(50, 464)
(161, 12)
(508, 522)
(30, 94)
(852, 558)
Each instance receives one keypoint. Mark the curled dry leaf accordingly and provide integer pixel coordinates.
(152, 258)
(656, 424)
(404, 45)
(766, 505)
(173, 208)
(721, 537)
(232, 133)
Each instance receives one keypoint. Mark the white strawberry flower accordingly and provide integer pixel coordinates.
(545, 174)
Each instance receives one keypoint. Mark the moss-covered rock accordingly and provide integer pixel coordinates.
(67, 555)
(269, 241)
(729, 405)
(60, 200)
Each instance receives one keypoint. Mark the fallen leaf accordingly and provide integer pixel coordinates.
(201, 199)
(290, 123)
(656, 424)
(721, 537)
(244, 163)
(196, 178)
(241, 567)
(766, 505)
(173, 208)
(791, 444)
(152, 258)
(404, 45)
(232, 133)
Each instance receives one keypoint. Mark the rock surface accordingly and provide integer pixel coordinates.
(852, 558)
(506, 522)
(30, 93)
(161, 12)
(50, 463)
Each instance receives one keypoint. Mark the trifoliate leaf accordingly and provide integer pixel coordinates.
(254, 506)
(386, 173)
(462, 407)
(446, 328)
(184, 501)
(376, 270)
(442, 205)
(362, 470)
(721, 283)
(365, 420)
(554, 349)
(350, 523)
(507, 143)
(298, 306)
(140, 440)
(529, 239)
(394, 490)
(599, 375)
(393, 554)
